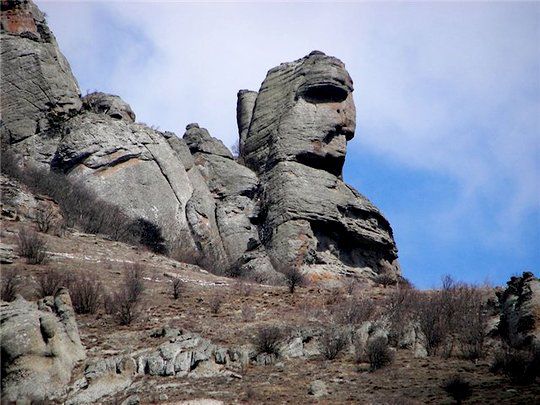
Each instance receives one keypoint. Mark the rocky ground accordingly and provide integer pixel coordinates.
(245, 307)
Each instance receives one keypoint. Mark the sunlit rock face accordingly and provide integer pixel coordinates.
(302, 118)
(40, 346)
(37, 85)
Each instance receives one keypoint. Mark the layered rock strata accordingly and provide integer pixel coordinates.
(282, 204)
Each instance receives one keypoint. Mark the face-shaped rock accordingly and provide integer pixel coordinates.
(305, 113)
(113, 106)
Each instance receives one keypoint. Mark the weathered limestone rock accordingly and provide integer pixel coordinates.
(244, 112)
(303, 116)
(37, 84)
(113, 106)
(234, 188)
(40, 345)
(520, 310)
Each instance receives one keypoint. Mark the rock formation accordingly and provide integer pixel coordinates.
(302, 118)
(40, 345)
(281, 204)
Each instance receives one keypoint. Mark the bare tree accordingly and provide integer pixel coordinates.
(294, 278)
(177, 288)
(45, 217)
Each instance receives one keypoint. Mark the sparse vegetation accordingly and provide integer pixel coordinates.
(353, 310)
(294, 278)
(521, 366)
(85, 294)
(248, 313)
(45, 216)
(10, 284)
(378, 353)
(32, 246)
(458, 388)
(177, 287)
(216, 301)
(268, 339)
(124, 304)
(49, 281)
(333, 341)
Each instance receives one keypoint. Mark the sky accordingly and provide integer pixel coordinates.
(447, 95)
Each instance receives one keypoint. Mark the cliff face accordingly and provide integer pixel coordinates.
(281, 204)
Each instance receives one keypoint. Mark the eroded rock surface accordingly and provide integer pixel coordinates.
(40, 345)
(281, 204)
(301, 121)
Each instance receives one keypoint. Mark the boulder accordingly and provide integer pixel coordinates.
(40, 346)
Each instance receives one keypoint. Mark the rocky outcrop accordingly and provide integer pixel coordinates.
(519, 307)
(40, 345)
(302, 118)
(281, 204)
(37, 85)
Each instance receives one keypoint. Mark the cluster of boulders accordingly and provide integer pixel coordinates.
(280, 204)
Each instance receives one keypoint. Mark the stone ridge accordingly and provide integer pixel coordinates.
(281, 204)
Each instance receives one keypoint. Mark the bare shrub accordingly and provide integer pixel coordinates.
(49, 282)
(177, 288)
(122, 308)
(520, 366)
(216, 301)
(359, 351)
(399, 308)
(124, 304)
(45, 217)
(10, 284)
(133, 281)
(85, 294)
(353, 311)
(378, 353)
(455, 314)
(268, 339)
(385, 280)
(352, 285)
(248, 313)
(244, 288)
(294, 278)
(458, 388)
(333, 341)
(32, 246)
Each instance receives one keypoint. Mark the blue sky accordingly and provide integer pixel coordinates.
(447, 96)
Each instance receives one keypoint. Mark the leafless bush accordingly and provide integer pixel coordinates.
(177, 288)
(385, 280)
(455, 314)
(45, 217)
(32, 246)
(268, 339)
(133, 281)
(49, 281)
(399, 309)
(294, 278)
(352, 285)
(85, 294)
(378, 353)
(10, 284)
(248, 313)
(333, 341)
(359, 351)
(124, 304)
(244, 288)
(216, 301)
(458, 388)
(353, 311)
(122, 308)
(521, 366)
